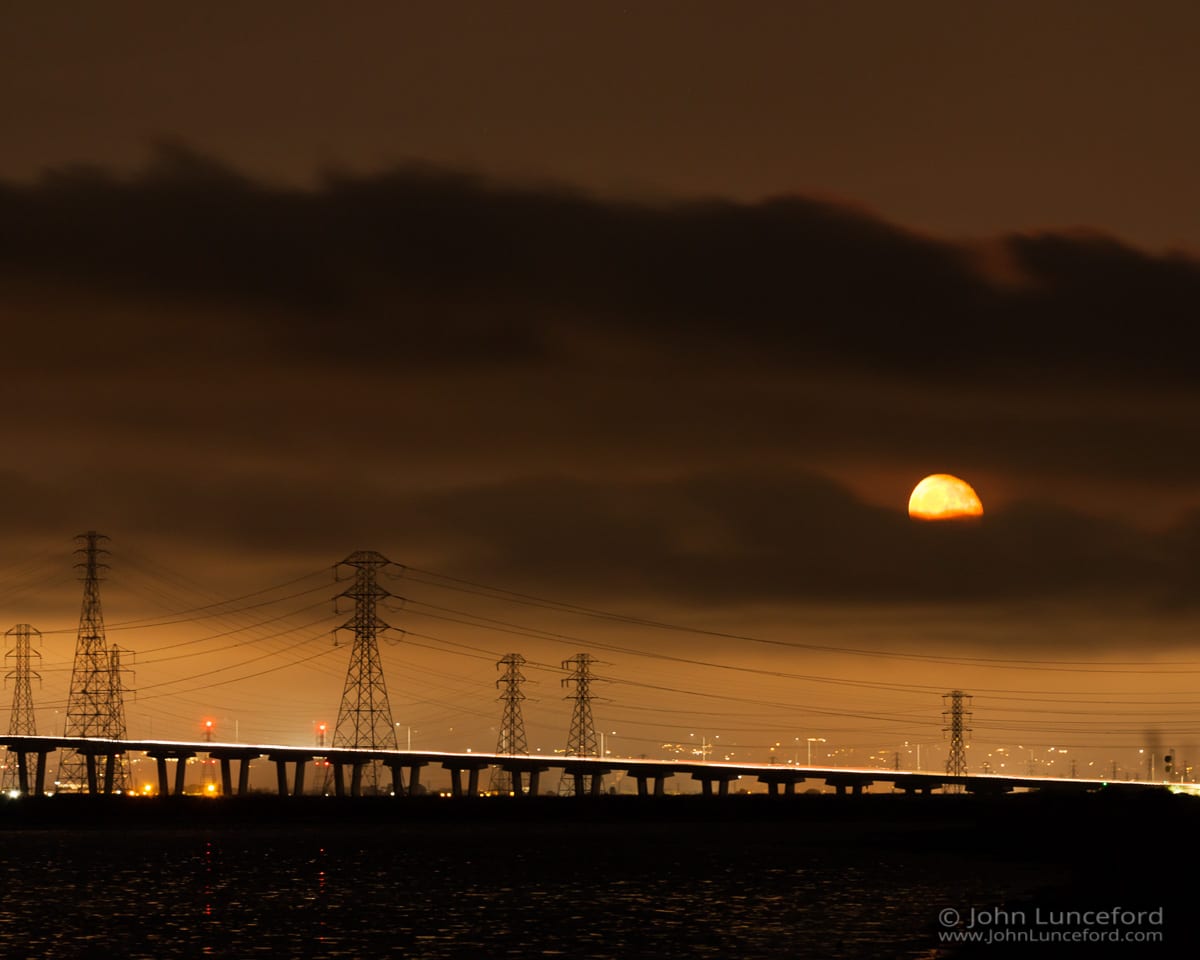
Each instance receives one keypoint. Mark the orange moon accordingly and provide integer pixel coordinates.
(942, 496)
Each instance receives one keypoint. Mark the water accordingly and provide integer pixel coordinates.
(441, 888)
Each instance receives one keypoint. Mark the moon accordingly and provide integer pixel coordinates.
(942, 496)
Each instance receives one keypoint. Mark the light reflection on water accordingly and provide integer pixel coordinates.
(447, 891)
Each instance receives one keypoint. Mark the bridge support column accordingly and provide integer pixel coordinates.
(90, 761)
(39, 788)
(596, 784)
(226, 777)
(706, 787)
(164, 786)
(180, 773)
(414, 779)
(23, 773)
(578, 778)
(455, 782)
(777, 786)
(397, 769)
(244, 777)
(660, 786)
(110, 763)
(855, 783)
(356, 772)
(339, 780)
(281, 777)
(535, 775)
(473, 782)
(530, 784)
(298, 787)
(643, 787)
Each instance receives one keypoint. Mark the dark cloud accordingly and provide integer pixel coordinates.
(418, 263)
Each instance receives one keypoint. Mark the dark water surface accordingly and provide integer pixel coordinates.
(808, 884)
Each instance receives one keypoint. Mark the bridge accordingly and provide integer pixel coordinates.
(525, 770)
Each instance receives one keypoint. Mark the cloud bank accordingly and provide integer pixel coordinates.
(612, 398)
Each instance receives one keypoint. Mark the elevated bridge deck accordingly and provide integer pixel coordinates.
(525, 770)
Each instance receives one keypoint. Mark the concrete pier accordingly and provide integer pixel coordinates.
(456, 767)
(787, 781)
(517, 768)
(643, 776)
(720, 777)
(226, 757)
(398, 766)
(853, 782)
(181, 757)
(23, 773)
(919, 784)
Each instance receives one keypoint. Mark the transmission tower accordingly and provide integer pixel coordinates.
(958, 712)
(365, 717)
(581, 742)
(511, 739)
(116, 720)
(91, 710)
(21, 722)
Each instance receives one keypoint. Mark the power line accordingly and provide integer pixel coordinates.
(500, 593)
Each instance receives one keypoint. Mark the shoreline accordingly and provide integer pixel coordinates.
(1066, 815)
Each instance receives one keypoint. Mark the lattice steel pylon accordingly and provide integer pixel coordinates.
(365, 716)
(511, 739)
(581, 741)
(21, 722)
(90, 707)
(116, 721)
(958, 713)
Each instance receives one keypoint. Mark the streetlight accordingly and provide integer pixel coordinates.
(811, 741)
(910, 748)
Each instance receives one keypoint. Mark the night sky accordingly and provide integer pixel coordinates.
(659, 310)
